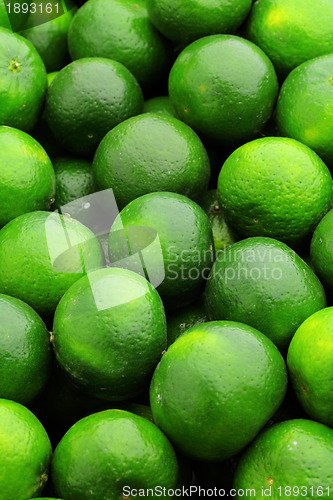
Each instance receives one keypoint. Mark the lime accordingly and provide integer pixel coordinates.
(27, 180)
(127, 317)
(216, 387)
(293, 458)
(160, 104)
(310, 364)
(167, 238)
(224, 87)
(104, 454)
(4, 19)
(87, 99)
(223, 236)
(48, 33)
(23, 81)
(17, 18)
(42, 254)
(125, 34)
(25, 355)
(291, 31)
(263, 283)
(322, 250)
(178, 322)
(74, 180)
(25, 452)
(51, 76)
(184, 22)
(151, 152)
(305, 106)
(274, 187)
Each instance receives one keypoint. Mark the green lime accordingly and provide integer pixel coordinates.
(184, 22)
(23, 81)
(223, 236)
(263, 283)
(151, 152)
(87, 99)
(321, 250)
(160, 104)
(105, 454)
(224, 87)
(125, 34)
(25, 452)
(27, 180)
(291, 459)
(48, 33)
(25, 355)
(178, 322)
(275, 187)
(74, 180)
(167, 238)
(305, 105)
(216, 387)
(17, 17)
(51, 76)
(4, 19)
(120, 307)
(310, 364)
(291, 31)
(42, 254)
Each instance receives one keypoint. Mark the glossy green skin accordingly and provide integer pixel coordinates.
(22, 90)
(261, 195)
(224, 87)
(305, 106)
(51, 76)
(24, 351)
(184, 22)
(17, 20)
(223, 236)
(148, 153)
(263, 283)
(129, 326)
(321, 250)
(291, 32)
(178, 322)
(73, 180)
(160, 104)
(27, 245)
(310, 364)
(26, 451)
(50, 37)
(220, 375)
(105, 451)
(87, 99)
(292, 453)
(183, 243)
(27, 180)
(125, 34)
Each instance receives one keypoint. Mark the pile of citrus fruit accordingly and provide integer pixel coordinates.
(166, 249)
